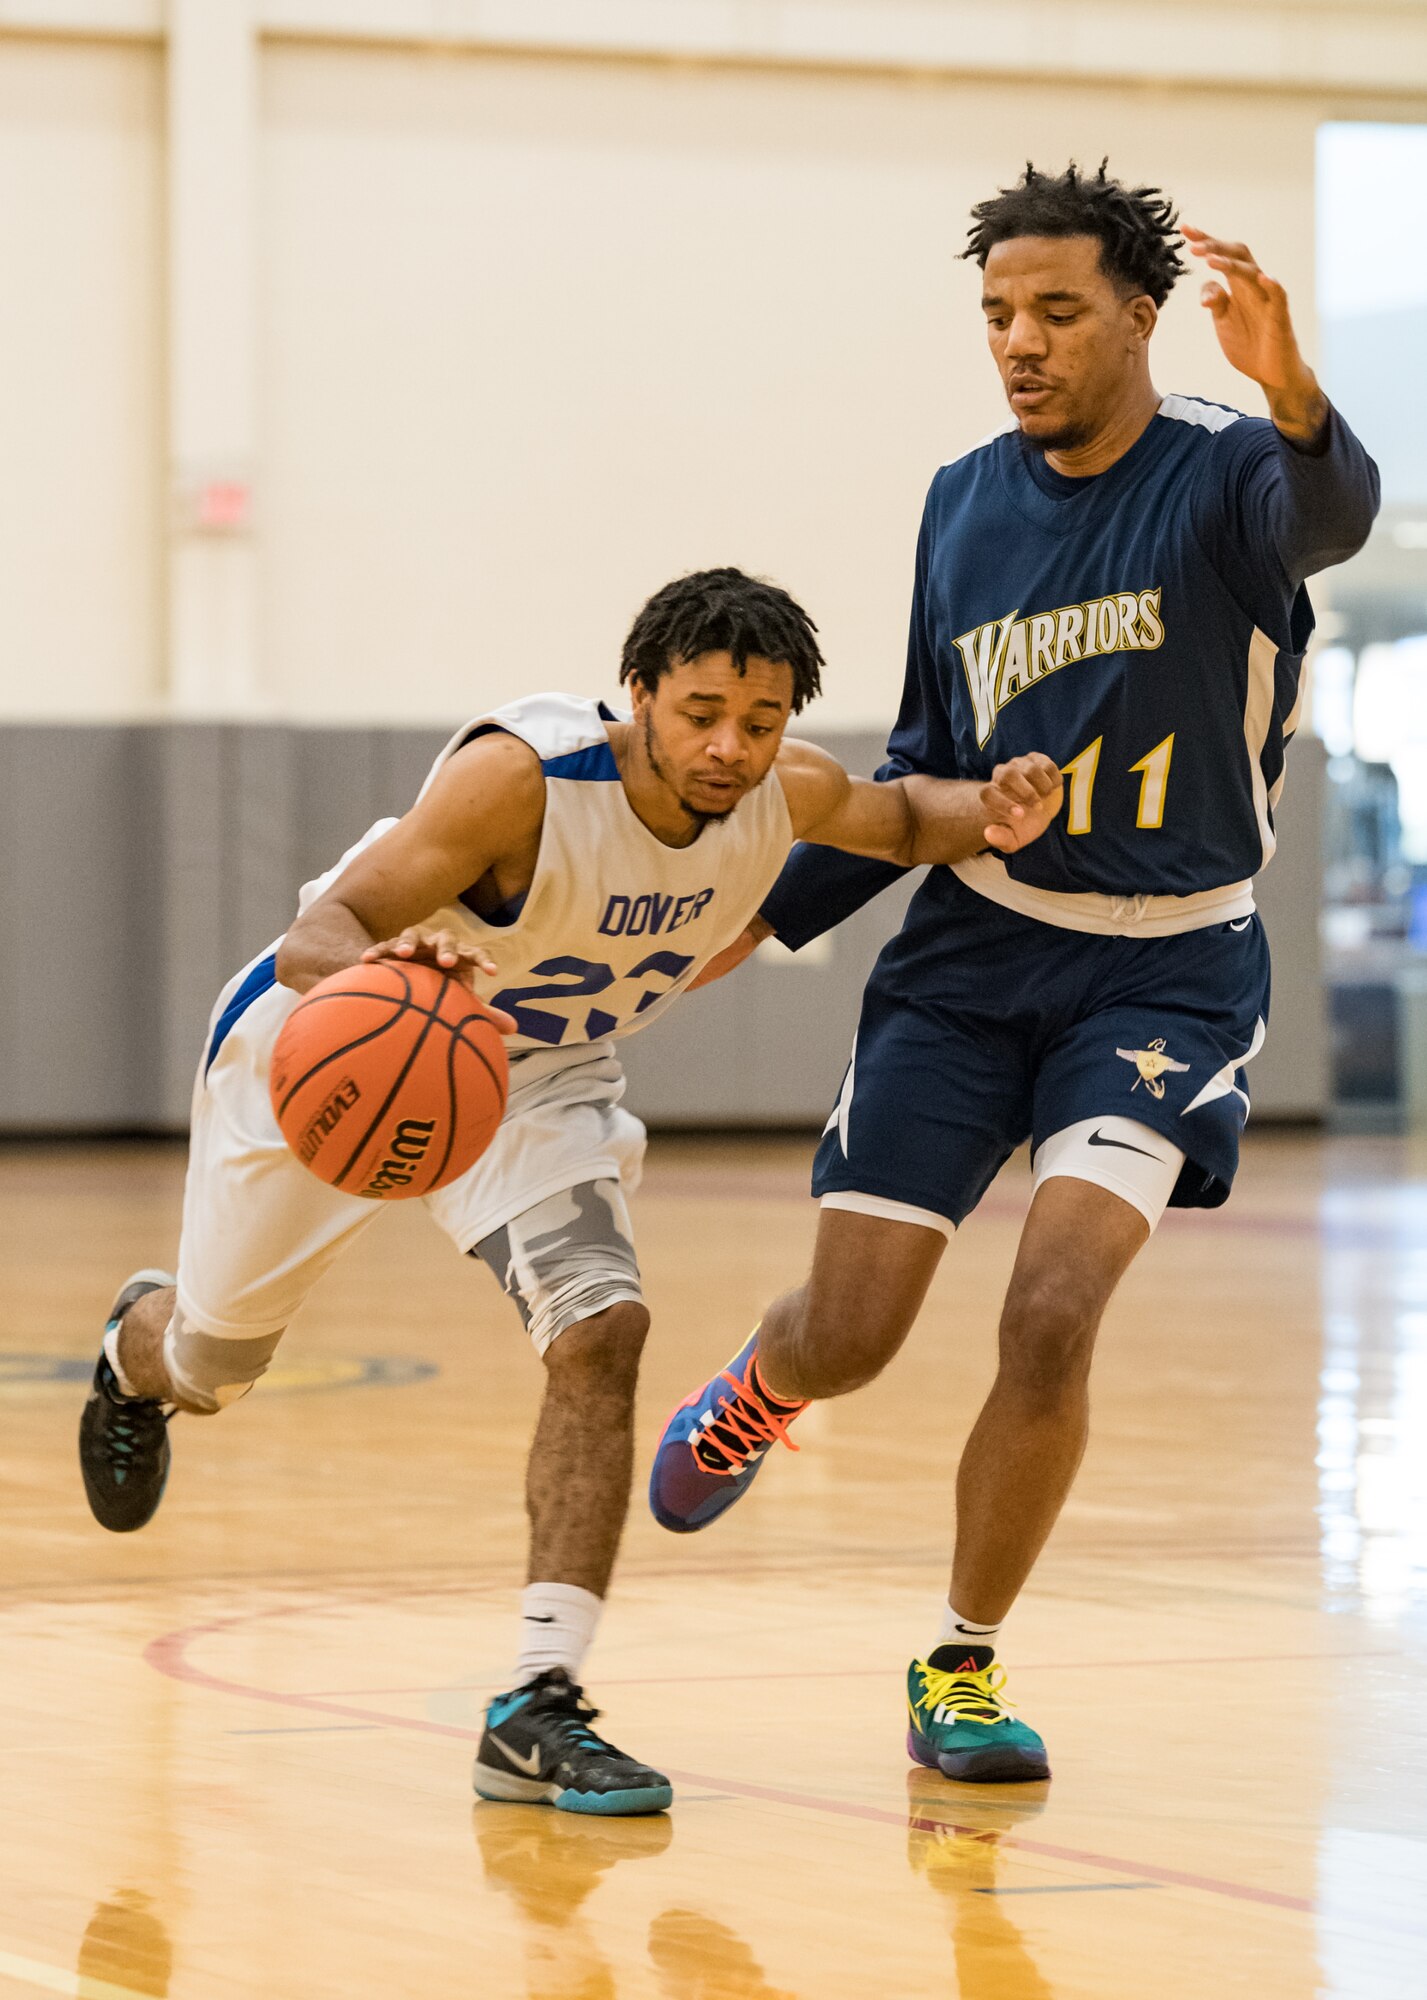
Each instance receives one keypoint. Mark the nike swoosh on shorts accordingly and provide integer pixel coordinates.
(1123, 1145)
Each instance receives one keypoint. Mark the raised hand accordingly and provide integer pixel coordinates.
(1020, 802)
(1255, 329)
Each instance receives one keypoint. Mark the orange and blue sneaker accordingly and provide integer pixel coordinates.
(959, 1722)
(714, 1444)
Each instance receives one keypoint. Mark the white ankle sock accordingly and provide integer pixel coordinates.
(956, 1630)
(111, 1355)
(557, 1624)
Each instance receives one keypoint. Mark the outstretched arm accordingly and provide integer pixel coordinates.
(917, 820)
(903, 822)
(482, 805)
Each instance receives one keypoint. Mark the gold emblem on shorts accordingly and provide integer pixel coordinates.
(1153, 1064)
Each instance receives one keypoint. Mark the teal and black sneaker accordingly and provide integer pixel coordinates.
(959, 1722)
(123, 1440)
(539, 1750)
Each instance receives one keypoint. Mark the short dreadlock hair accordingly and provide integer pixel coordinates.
(723, 611)
(1139, 246)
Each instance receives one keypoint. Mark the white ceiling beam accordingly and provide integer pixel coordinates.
(1329, 45)
(108, 20)
(1334, 46)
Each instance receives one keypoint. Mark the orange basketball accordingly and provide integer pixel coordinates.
(389, 1080)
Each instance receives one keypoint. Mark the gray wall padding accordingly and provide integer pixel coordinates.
(145, 863)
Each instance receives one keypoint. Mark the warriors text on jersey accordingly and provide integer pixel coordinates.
(1145, 628)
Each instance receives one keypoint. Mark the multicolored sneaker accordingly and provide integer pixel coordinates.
(713, 1445)
(539, 1750)
(123, 1440)
(959, 1721)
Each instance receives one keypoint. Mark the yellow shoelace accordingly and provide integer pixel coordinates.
(972, 1695)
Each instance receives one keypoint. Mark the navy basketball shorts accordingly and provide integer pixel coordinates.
(982, 1028)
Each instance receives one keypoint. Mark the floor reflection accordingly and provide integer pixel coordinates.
(1372, 1510)
(954, 1841)
(1372, 1412)
(698, 1958)
(548, 1863)
(125, 1944)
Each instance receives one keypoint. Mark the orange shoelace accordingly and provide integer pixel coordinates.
(750, 1426)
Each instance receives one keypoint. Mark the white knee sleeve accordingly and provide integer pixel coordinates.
(1126, 1158)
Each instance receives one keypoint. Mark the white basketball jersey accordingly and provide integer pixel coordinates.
(615, 923)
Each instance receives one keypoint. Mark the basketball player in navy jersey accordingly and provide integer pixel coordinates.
(578, 868)
(1118, 577)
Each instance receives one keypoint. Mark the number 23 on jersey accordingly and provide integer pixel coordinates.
(581, 978)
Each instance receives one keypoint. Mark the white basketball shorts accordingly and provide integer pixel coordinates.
(259, 1230)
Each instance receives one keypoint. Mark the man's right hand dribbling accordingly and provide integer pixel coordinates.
(464, 962)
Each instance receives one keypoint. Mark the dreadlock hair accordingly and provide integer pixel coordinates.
(1139, 248)
(722, 611)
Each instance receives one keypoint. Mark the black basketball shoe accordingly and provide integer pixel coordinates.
(539, 1749)
(123, 1440)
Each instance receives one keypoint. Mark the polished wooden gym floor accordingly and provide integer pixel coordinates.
(236, 1746)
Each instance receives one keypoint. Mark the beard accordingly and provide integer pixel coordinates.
(1069, 437)
(697, 816)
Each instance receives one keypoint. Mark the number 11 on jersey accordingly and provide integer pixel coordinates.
(1154, 782)
(1153, 770)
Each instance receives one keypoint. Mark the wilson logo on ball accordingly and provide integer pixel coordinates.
(408, 1150)
(389, 1081)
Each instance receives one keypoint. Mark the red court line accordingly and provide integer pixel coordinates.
(870, 1673)
(168, 1655)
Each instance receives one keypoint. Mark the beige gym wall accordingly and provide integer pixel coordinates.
(538, 335)
(534, 334)
(81, 379)
(504, 342)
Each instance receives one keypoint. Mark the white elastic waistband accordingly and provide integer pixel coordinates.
(529, 1067)
(1109, 916)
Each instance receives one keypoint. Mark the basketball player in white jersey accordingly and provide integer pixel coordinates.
(577, 868)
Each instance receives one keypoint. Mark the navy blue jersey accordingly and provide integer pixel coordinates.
(1145, 628)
